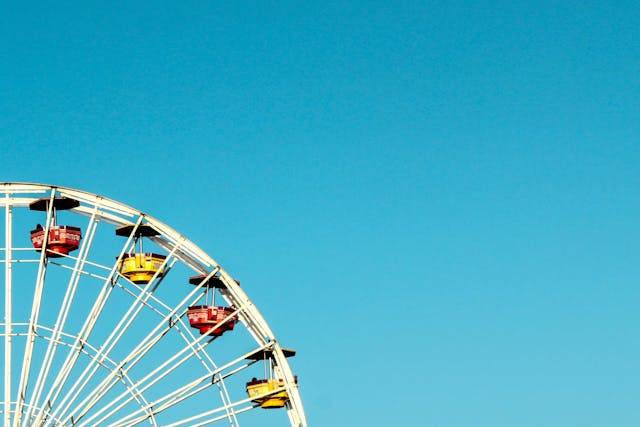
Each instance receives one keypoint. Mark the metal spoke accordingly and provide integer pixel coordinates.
(63, 313)
(8, 243)
(195, 386)
(163, 369)
(222, 417)
(87, 328)
(122, 326)
(35, 312)
(93, 354)
(145, 345)
(191, 421)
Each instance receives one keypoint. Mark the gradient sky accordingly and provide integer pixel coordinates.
(435, 203)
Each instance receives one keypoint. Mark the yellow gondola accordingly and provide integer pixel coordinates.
(141, 267)
(257, 388)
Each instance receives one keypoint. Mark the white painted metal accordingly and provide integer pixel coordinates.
(87, 327)
(35, 312)
(145, 345)
(88, 350)
(105, 210)
(63, 313)
(193, 420)
(162, 370)
(8, 266)
(122, 326)
(192, 387)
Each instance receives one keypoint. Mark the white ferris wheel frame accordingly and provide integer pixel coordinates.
(101, 209)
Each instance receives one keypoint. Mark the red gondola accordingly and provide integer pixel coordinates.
(62, 239)
(208, 318)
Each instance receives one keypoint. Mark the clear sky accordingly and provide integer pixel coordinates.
(435, 203)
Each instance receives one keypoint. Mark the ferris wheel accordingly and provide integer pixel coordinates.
(112, 318)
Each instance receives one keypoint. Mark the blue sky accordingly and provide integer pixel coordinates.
(435, 203)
